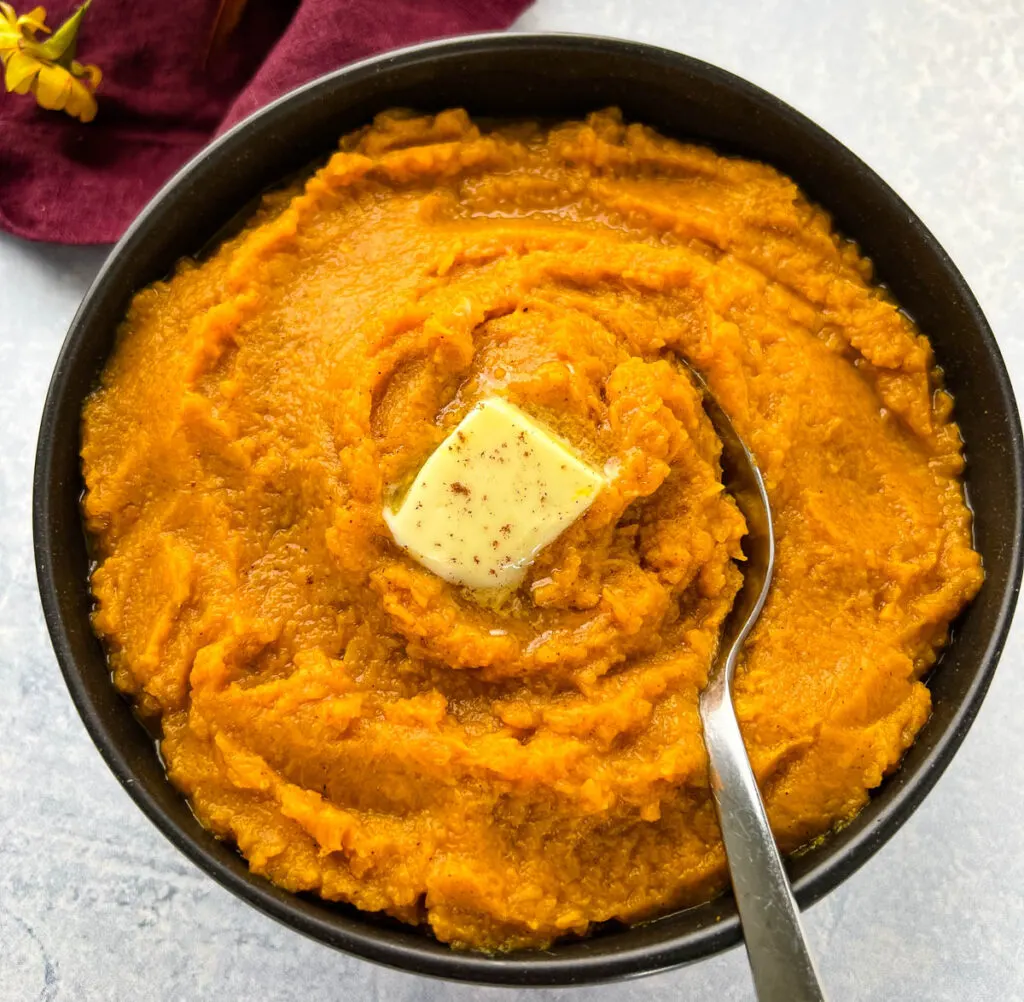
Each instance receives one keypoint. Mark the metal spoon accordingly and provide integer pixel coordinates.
(776, 948)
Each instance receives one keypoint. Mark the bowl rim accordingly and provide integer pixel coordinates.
(368, 942)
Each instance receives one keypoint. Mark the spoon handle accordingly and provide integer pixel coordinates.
(779, 959)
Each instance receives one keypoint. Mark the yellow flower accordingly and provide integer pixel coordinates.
(47, 68)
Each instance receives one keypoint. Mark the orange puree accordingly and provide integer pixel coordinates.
(510, 771)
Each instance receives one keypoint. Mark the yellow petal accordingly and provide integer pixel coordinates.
(34, 20)
(52, 86)
(58, 90)
(87, 73)
(21, 70)
(8, 13)
(81, 104)
(10, 33)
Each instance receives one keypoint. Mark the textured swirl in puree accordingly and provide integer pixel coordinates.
(513, 771)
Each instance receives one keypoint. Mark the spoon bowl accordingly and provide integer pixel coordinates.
(742, 479)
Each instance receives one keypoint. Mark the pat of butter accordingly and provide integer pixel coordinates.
(492, 495)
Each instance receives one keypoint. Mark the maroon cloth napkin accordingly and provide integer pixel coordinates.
(164, 95)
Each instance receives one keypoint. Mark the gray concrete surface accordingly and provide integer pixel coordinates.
(96, 905)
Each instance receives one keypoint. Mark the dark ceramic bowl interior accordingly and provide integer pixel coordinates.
(538, 76)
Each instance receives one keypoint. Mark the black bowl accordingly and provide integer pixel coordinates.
(538, 76)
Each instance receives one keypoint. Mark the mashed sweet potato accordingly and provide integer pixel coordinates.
(511, 772)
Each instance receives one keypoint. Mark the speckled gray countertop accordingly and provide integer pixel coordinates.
(96, 905)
